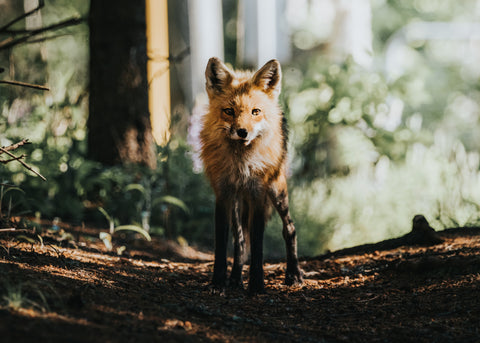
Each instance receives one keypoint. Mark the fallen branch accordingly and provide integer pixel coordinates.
(8, 229)
(422, 234)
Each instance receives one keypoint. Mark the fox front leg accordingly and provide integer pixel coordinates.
(221, 240)
(279, 197)
(239, 249)
(256, 283)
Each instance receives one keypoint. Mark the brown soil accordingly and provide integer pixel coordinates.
(68, 288)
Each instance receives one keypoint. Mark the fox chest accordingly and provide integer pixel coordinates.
(236, 166)
(247, 170)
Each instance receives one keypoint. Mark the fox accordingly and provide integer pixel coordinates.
(244, 138)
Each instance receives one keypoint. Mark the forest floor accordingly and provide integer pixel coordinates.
(67, 287)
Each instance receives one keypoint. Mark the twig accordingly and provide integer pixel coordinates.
(9, 42)
(24, 84)
(171, 58)
(180, 56)
(16, 145)
(41, 3)
(13, 159)
(44, 39)
(8, 229)
(24, 164)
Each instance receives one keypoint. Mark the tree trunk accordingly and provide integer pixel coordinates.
(352, 32)
(206, 38)
(119, 127)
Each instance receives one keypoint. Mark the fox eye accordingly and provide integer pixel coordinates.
(256, 111)
(229, 111)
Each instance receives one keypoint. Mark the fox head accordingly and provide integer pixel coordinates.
(244, 104)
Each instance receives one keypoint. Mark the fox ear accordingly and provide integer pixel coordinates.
(268, 77)
(218, 76)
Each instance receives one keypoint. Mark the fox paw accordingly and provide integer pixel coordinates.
(294, 277)
(217, 290)
(235, 283)
(256, 287)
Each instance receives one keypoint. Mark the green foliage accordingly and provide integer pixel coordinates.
(363, 163)
(326, 102)
(371, 149)
(81, 190)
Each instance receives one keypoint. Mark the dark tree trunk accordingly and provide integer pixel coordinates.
(119, 127)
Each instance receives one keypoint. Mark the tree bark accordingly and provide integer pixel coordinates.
(119, 127)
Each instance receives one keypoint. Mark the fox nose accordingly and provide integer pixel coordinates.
(242, 133)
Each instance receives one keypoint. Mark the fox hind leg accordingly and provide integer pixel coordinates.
(279, 197)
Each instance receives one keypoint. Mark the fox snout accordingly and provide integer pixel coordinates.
(242, 133)
(246, 135)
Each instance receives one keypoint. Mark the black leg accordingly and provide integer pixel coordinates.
(221, 238)
(239, 252)
(256, 282)
(293, 273)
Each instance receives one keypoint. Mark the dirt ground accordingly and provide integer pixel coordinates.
(67, 287)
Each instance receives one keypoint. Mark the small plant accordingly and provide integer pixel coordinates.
(6, 222)
(17, 297)
(151, 200)
(111, 221)
(4, 189)
(107, 237)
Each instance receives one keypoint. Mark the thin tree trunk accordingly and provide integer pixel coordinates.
(119, 122)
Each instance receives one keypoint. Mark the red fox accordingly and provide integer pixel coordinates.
(244, 152)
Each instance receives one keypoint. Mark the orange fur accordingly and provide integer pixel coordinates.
(244, 140)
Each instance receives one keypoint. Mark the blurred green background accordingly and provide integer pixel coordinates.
(372, 144)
